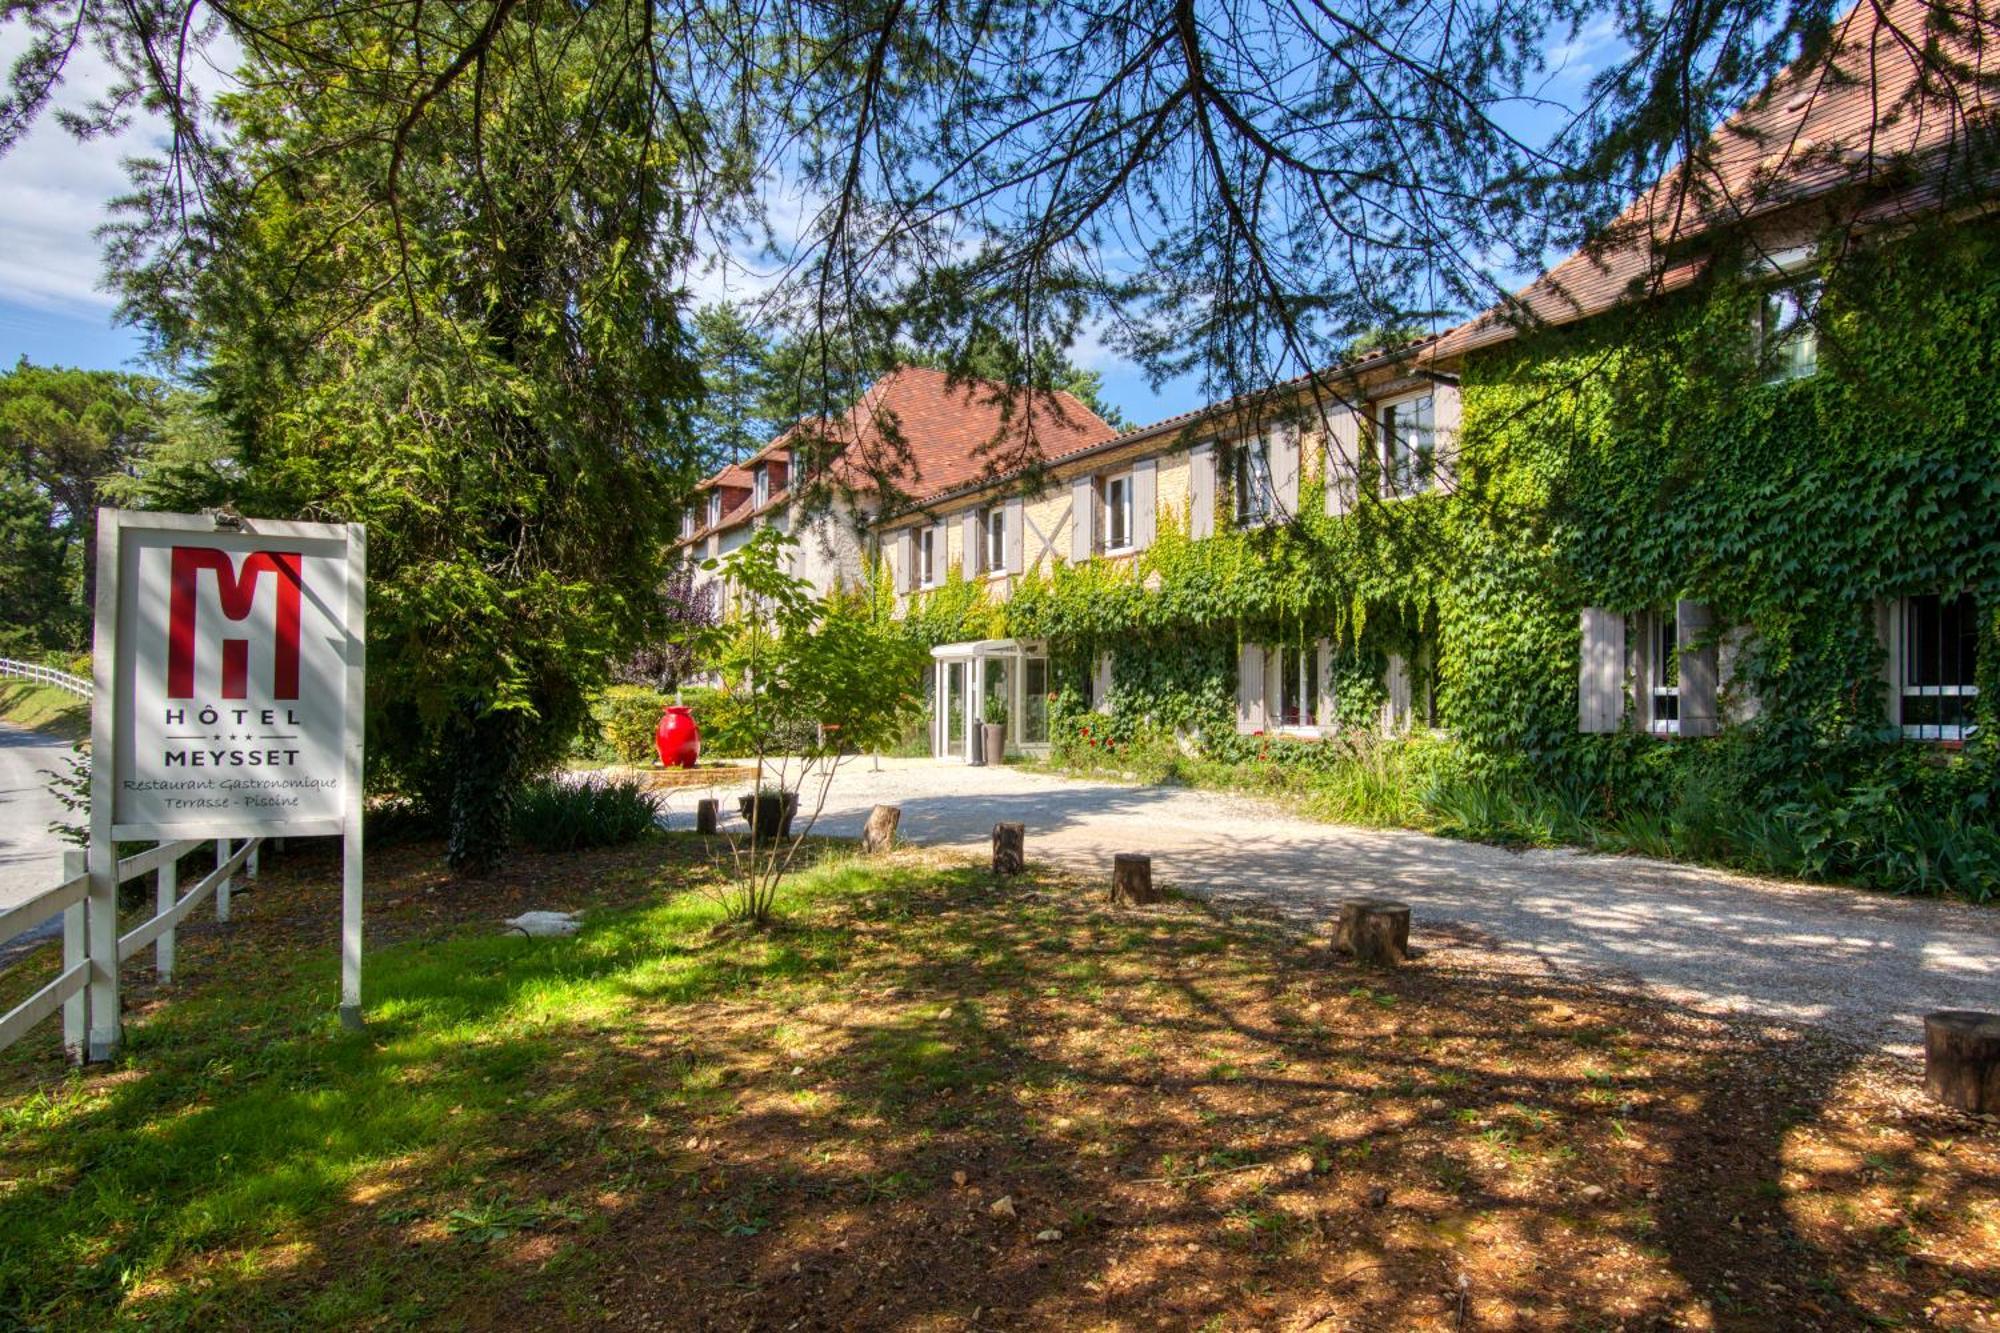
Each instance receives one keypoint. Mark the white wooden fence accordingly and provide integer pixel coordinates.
(45, 675)
(68, 992)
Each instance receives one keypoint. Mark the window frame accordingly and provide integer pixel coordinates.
(1387, 435)
(1122, 512)
(1802, 291)
(927, 556)
(760, 487)
(1250, 474)
(993, 539)
(1296, 666)
(1966, 690)
(1656, 634)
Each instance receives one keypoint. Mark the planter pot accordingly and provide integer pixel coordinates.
(678, 739)
(995, 737)
(769, 817)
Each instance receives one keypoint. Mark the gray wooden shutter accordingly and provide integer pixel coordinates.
(1448, 416)
(1015, 536)
(1600, 685)
(1343, 454)
(1145, 501)
(1327, 701)
(1082, 513)
(1739, 702)
(1250, 688)
(1692, 622)
(903, 562)
(1282, 445)
(1396, 682)
(972, 550)
(1201, 491)
(1888, 627)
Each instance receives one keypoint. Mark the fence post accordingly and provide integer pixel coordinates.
(106, 1018)
(76, 1013)
(166, 893)
(222, 889)
(250, 862)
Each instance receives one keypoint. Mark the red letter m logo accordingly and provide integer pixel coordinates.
(237, 593)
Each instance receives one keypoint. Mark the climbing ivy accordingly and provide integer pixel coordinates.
(1628, 462)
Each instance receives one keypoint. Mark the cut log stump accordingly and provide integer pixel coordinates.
(705, 812)
(1962, 1059)
(1132, 879)
(879, 834)
(1374, 930)
(1010, 856)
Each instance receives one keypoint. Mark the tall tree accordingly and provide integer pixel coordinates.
(732, 421)
(70, 431)
(444, 300)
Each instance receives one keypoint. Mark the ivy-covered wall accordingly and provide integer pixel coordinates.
(1627, 462)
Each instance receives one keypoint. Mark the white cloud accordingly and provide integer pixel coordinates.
(55, 192)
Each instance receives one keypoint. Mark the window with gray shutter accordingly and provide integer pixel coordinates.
(1014, 536)
(1693, 626)
(1201, 491)
(1600, 692)
(1145, 502)
(1082, 510)
(1250, 688)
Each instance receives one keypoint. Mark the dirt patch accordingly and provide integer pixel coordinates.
(950, 1102)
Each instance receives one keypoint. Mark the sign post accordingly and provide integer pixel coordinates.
(230, 677)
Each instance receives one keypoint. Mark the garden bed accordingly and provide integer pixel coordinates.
(1193, 1122)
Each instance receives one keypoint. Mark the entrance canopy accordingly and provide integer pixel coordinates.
(985, 681)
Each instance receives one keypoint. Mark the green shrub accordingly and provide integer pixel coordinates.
(627, 718)
(562, 815)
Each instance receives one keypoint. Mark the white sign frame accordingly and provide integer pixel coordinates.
(113, 698)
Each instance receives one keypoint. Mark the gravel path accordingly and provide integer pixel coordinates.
(1865, 965)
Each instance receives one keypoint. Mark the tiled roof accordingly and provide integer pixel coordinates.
(1852, 119)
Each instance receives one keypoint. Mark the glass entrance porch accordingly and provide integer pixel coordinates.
(977, 681)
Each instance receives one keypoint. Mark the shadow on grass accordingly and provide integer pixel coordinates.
(1192, 1122)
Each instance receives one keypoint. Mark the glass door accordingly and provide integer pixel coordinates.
(954, 720)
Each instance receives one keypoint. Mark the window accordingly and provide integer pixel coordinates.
(1940, 648)
(687, 523)
(1252, 482)
(1117, 497)
(1299, 687)
(714, 508)
(995, 527)
(760, 487)
(927, 557)
(1663, 674)
(1409, 445)
(1787, 342)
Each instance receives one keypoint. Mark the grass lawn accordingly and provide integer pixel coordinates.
(933, 1100)
(44, 708)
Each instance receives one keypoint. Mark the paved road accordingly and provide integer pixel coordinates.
(1866, 965)
(30, 856)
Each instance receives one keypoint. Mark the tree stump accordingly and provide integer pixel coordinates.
(705, 812)
(1010, 855)
(1132, 879)
(879, 834)
(1962, 1059)
(1374, 930)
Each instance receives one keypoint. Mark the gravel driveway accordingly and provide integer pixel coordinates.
(1865, 965)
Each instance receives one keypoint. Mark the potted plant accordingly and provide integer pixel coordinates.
(994, 733)
(769, 812)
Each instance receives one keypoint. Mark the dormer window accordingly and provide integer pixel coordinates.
(714, 508)
(1787, 342)
(760, 487)
(1408, 429)
(687, 523)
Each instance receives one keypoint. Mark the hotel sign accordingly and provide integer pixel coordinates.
(236, 676)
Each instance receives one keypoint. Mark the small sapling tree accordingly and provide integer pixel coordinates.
(819, 680)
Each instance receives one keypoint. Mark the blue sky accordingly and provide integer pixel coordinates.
(54, 194)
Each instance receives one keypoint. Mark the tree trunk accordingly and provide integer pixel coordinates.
(486, 762)
(879, 835)
(1374, 930)
(707, 813)
(1010, 848)
(1132, 879)
(1962, 1059)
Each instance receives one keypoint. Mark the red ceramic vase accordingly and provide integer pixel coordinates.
(678, 739)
